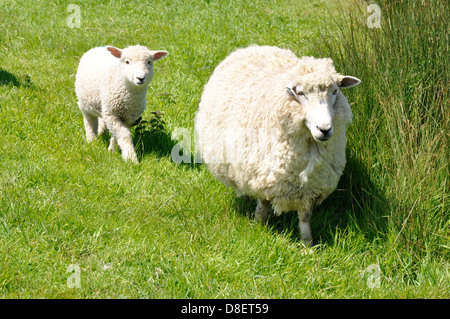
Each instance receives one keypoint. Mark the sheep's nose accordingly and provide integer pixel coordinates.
(324, 131)
(140, 79)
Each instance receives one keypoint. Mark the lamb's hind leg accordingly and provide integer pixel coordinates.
(262, 211)
(90, 126)
(305, 227)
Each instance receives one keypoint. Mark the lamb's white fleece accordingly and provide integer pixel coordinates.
(111, 86)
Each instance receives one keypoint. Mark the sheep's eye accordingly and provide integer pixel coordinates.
(301, 93)
(127, 61)
(335, 91)
(149, 62)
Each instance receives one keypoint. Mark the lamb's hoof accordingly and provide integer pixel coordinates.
(90, 138)
(133, 159)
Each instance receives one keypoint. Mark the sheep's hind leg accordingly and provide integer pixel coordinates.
(262, 211)
(305, 227)
(90, 126)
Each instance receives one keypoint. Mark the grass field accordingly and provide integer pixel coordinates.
(78, 222)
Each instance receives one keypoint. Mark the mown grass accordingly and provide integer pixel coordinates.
(167, 230)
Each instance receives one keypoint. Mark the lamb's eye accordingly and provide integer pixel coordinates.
(127, 61)
(149, 62)
(335, 91)
(301, 93)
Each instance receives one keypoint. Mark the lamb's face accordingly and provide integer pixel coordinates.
(319, 104)
(136, 64)
(137, 67)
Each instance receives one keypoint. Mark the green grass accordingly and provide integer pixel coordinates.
(167, 230)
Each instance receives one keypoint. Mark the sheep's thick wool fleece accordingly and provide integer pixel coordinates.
(253, 138)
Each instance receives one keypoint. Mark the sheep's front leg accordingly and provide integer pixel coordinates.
(262, 211)
(122, 135)
(305, 227)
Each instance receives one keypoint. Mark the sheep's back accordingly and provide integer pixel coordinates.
(243, 95)
(235, 107)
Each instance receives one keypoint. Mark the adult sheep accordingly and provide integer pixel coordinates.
(272, 126)
(111, 86)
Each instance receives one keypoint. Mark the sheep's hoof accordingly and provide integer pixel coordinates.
(307, 242)
(262, 212)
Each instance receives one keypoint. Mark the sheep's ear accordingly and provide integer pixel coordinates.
(291, 91)
(348, 81)
(159, 54)
(114, 51)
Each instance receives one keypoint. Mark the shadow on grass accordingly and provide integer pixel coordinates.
(147, 140)
(356, 203)
(150, 136)
(7, 78)
(152, 141)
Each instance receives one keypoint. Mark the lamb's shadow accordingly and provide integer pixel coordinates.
(150, 136)
(7, 78)
(357, 201)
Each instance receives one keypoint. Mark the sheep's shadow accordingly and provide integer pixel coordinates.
(7, 78)
(357, 202)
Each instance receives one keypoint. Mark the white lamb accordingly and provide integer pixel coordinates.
(272, 126)
(111, 86)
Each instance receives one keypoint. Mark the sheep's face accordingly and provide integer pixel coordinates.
(319, 104)
(136, 64)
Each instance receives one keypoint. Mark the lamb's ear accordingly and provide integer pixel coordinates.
(348, 81)
(159, 54)
(114, 51)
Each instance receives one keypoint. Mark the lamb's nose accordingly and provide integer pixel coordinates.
(140, 79)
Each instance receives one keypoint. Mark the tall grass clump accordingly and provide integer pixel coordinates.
(401, 117)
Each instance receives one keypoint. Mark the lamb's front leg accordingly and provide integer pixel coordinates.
(122, 135)
(305, 227)
(101, 126)
(112, 144)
